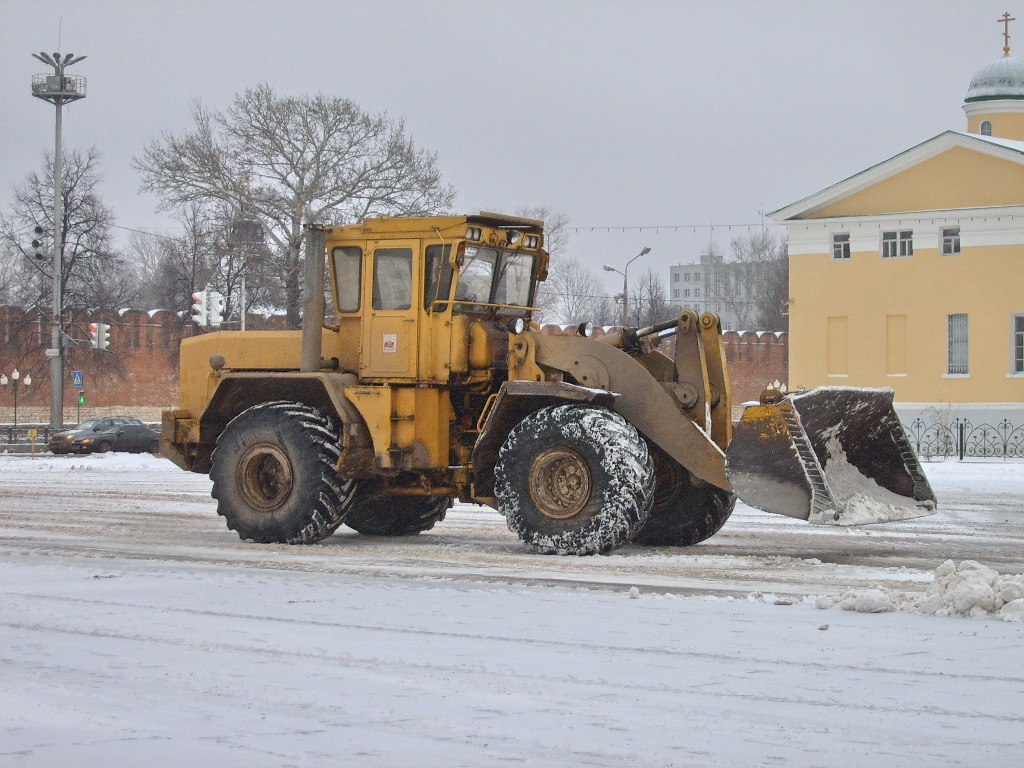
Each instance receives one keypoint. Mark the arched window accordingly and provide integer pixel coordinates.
(986, 128)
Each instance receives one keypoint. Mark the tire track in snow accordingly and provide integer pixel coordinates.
(447, 670)
(816, 666)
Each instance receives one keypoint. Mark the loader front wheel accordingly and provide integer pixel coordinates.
(384, 514)
(574, 480)
(274, 474)
(685, 510)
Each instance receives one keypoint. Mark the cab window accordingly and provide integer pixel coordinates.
(437, 279)
(392, 278)
(476, 275)
(348, 268)
(514, 281)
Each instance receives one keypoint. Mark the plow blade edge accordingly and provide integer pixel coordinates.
(829, 455)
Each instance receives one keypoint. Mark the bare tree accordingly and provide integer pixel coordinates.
(762, 278)
(291, 162)
(93, 274)
(648, 302)
(574, 293)
(556, 240)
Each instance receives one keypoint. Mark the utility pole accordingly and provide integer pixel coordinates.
(58, 89)
(625, 283)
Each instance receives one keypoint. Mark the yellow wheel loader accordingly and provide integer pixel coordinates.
(432, 382)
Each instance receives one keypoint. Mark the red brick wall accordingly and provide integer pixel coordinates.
(140, 369)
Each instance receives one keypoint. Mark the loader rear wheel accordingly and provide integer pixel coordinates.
(384, 514)
(574, 480)
(274, 474)
(685, 510)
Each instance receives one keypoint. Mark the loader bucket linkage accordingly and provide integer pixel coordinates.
(833, 455)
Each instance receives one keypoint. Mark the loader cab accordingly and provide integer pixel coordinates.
(430, 299)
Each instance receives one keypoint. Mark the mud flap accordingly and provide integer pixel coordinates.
(833, 455)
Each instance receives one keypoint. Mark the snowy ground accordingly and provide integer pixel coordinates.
(137, 630)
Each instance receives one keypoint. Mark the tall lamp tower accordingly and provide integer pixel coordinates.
(58, 89)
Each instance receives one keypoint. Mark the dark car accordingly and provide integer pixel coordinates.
(115, 433)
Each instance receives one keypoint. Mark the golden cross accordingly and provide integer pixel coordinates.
(1005, 21)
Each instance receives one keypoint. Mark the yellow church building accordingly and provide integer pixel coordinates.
(910, 273)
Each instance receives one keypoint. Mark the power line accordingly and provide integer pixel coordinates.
(142, 232)
(674, 227)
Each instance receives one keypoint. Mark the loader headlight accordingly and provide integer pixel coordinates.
(531, 241)
(516, 325)
(513, 236)
(585, 329)
(474, 233)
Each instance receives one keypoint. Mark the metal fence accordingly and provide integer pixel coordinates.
(957, 437)
(965, 439)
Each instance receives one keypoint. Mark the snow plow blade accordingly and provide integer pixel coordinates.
(834, 455)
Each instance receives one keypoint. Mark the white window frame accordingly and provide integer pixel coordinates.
(949, 244)
(1017, 344)
(957, 345)
(840, 246)
(898, 244)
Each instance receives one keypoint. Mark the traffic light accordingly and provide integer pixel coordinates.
(199, 308)
(215, 307)
(99, 335)
(103, 338)
(81, 397)
(37, 243)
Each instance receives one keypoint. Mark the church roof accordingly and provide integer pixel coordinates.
(1009, 149)
(1001, 79)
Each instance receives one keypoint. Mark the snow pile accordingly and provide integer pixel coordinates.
(967, 589)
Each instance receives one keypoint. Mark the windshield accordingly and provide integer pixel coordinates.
(87, 424)
(514, 281)
(477, 277)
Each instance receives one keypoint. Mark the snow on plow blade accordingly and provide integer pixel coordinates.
(828, 455)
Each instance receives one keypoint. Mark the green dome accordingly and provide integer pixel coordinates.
(1002, 79)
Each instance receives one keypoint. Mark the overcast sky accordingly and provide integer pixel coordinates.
(619, 114)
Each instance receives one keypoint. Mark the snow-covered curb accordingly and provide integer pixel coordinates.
(118, 462)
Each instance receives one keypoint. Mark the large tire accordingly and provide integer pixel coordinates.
(574, 480)
(274, 474)
(686, 511)
(384, 514)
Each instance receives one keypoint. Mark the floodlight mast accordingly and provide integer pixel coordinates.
(58, 89)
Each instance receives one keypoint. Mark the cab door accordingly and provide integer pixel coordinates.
(389, 349)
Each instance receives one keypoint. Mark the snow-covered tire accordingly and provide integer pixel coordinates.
(574, 480)
(685, 510)
(274, 474)
(384, 514)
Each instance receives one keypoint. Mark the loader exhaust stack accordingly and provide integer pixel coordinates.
(835, 455)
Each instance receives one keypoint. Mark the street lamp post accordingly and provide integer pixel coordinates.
(14, 380)
(625, 283)
(58, 89)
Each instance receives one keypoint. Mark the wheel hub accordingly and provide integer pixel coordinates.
(559, 483)
(266, 477)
